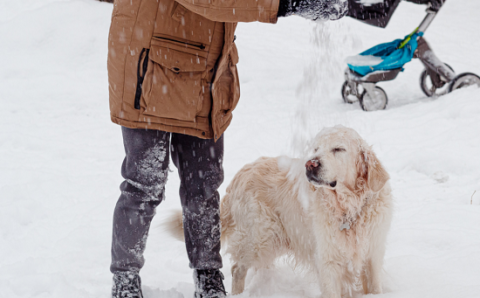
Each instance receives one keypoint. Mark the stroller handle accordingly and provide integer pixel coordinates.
(431, 14)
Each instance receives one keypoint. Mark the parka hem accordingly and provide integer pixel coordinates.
(199, 133)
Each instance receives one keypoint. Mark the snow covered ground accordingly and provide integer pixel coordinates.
(61, 156)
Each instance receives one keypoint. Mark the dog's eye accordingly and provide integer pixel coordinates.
(315, 150)
(335, 150)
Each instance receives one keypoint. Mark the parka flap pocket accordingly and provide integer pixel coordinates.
(177, 61)
(178, 12)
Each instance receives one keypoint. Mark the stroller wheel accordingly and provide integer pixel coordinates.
(429, 88)
(464, 80)
(347, 93)
(374, 104)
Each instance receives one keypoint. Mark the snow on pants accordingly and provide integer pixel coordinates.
(145, 169)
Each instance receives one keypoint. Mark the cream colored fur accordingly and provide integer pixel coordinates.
(271, 209)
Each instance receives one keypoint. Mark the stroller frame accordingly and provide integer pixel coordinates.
(439, 73)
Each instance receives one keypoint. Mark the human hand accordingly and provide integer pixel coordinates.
(316, 10)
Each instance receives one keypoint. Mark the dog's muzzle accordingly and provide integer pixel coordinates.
(313, 168)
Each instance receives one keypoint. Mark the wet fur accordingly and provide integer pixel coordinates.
(270, 210)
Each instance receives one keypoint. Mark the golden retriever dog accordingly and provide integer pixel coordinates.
(330, 213)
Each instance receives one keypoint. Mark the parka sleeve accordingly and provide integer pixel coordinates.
(234, 11)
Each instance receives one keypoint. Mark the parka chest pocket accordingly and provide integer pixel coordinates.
(180, 23)
(173, 82)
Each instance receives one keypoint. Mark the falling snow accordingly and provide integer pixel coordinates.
(61, 156)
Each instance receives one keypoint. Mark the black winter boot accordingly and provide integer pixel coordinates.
(209, 284)
(126, 285)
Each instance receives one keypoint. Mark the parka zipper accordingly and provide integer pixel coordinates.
(141, 76)
(195, 45)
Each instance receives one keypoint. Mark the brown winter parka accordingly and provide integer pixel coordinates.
(172, 63)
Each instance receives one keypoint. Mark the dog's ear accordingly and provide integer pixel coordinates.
(371, 171)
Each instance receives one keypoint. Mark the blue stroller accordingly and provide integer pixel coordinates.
(385, 61)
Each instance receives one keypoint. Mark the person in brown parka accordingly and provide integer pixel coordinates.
(173, 85)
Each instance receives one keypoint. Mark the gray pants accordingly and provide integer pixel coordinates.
(145, 169)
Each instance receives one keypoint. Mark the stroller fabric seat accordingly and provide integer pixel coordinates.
(391, 54)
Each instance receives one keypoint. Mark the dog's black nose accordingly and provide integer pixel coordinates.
(333, 184)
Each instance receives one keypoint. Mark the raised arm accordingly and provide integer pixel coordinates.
(233, 11)
(266, 11)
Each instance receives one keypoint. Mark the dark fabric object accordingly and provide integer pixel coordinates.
(380, 14)
(435, 4)
(419, 1)
(376, 14)
(127, 284)
(283, 8)
(145, 169)
(209, 284)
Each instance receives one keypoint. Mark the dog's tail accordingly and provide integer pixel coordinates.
(174, 223)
